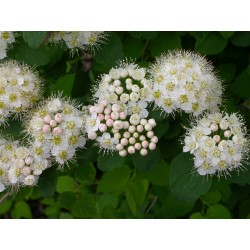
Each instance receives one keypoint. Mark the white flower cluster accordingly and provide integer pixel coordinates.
(219, 143)
(185, 81)
(119, 119)
(19, 166)
(20, 88)
(57, 129)
(78, 39)
(6, 38)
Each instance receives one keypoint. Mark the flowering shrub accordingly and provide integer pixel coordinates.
(124, 125)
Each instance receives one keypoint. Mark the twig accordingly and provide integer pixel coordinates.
(152, 204)
(4, 197)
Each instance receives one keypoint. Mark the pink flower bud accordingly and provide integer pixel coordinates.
(47, 119)
(99, 108)
(117, 83)
(143, 122)
(119, 147)
(131, 150)
(138, 146)
(119, 90)
(152, 122)
(123, 115)
(53, 123)
(154, 139)
(148, 127)
(152, 146)
(227, 133)
(57, 131)
(216, 138)
(26, 171)
(214, 127)
(144, 144)
(92, 135)
(100, 117)
(114, 115)
(115, 108)
(117, 136)
(131, 129)
(124, 141)
(46, 129)
(104, 103)
(107, 111)
(106, 117)
(131, 140)
(150, 134)
(125, 125)
(102, 127)
(58, 117)
(135, 135)
(123, 153)
(118, 125)
(92, 109)
(144, 152)
(29, 180)
(28, 160)
(37, 171)
(139, 128)
(142, 138)
(126, 134)
(109, 122)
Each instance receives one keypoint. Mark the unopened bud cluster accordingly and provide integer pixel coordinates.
(6, 39)
(218, 142)
(119, 121)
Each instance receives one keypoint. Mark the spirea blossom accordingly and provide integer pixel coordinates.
(218, 142)
(6, 39)
(185, 81)
(19, 165)
(56, 128)
(83, 40)
(119, 120)
(20, 88)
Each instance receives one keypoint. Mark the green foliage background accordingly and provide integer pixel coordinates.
(160, 185)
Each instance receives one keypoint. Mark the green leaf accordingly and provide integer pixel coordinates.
(242, 177)
(107, 200)
(218, 212)
(111, 52)
(114, 180)
(65, 216)
(159, 175)
(132, 47)
(241, 85)
(199, 35)
(65, 184)
(226, 34)
(227, 71)
(85, 207)
(65, 84)
(21, 210)
(183, 184)
(5, 206)
(145, 163)
(144, 34)
(214, 43)
(34, 38)
(47, 183)
(212, 197)
(163, 42)
(241, 39)
(161, 128)
(66, 200)
(85, 174)
(109, 162)
(196, 215)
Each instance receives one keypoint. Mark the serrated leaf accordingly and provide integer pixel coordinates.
(161, 128)
(65, 184)
(241, 39)
(164, 42)
(109, 162)
(34, 38)
(5, 206)
(214, 43)
(107, 200)
(145, 163)
(199, 35)
(47, 183)
(212, 197)
(226, 34)
(85, 174)
(218, 212)
(111, 52)
(66, 200)
(183, 184)
(242, 177)
(21, 210)
(114, 180)
(65, 84)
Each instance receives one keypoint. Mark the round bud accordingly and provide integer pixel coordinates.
(150, 134)
(154, 139)
(144, 152)
(216, 138)
(214, 127)
(142, 138)
(104, 103)
(115, 107)
(92, 135)
(113, 130)
(114, 115)
(131, 129)
(47, 119)
(124, 142)
(223, 124)
(139, 128)
(143, 122)
(132, 140)
(29, 180)
(119, 90)
(117, 83)
(99, 108)
(111, 89)
(125, 125)
(46, 129)
(227, 133)
(126, 134)
(118, 125)
(138, 146)
(58, 117)
(148, 127)
(152, 146)
(106, 117)
(123, 73)
(53, 123)
(119, 147)
(152, 122)
(117, 136)
(123, 115)
(20, 163)
(144, 144)
(92, 109)
(107, 111)
(26, 171)
(135, 88)
(102, 127)
(100, 117)
(109, 122)
(57, 131)
(28, 160)
(123, 153)
(107, 78)
(128, 80)
(135, 135)
(131, 150)
(37, 171)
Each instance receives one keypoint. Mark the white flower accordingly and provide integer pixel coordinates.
(6, 39)
(54, 105)
(185, 81)
(216, 150)
(106, 142)
(92, 123)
